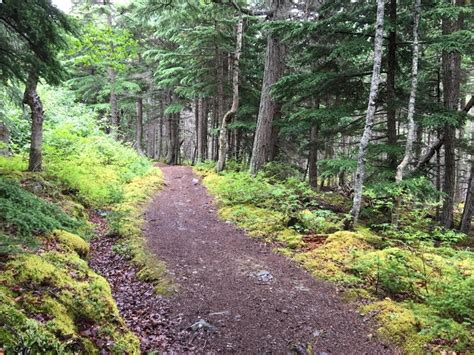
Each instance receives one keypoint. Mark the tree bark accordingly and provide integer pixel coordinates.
(369, 119)
(32, 99)
(411, 112)
(220, 97)
(391, 95)
(468, 211)
(139, 124)
(114, 111)
(313, 156)
(202, 130)
(172, 122)
(262, 145)
(4, 139)
(451, 71)
(235, 99)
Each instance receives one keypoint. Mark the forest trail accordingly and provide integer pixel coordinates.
(252, 299)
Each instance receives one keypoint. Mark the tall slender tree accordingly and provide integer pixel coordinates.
(411, 110)
(451, 77)
(369, 118)
(235, 99)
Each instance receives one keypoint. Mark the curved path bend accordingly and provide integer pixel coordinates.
(247, 298)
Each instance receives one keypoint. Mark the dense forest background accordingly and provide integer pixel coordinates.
(338, 115)
(178, 82)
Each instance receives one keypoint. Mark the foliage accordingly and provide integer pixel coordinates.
(318, 221)
(23, 216)
(30, 39)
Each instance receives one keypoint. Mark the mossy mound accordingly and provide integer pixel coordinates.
(262, 223)
(72, 241)
(52, 302)
(417, 329)
(332, 259)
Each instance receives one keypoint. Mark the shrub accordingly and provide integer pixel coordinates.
(95, 166)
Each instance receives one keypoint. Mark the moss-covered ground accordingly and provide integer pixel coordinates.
(420, 291)
(51, 301)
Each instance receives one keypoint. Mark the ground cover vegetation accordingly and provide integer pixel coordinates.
(340, 131)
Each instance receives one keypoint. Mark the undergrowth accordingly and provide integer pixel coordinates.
(50, 300)
(412, 279)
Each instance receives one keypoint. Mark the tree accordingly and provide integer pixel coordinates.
(100, 58)
(468, 211)
(39, 30)
(411, 110)
(235, 99)
(369, 118)
(451, 76)
(262, 145)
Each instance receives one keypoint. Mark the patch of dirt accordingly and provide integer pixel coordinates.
(235, 294)
(313, 241)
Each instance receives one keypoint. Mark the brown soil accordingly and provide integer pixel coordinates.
(216, 268)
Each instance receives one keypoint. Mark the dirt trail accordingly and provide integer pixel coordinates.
(253, 300)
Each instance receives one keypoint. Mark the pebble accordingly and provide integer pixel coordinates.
(202, 324)
(264, 276)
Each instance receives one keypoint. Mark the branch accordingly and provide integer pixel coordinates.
(429, 153)
(245, 11)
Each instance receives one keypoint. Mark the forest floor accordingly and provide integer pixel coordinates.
(234, 294)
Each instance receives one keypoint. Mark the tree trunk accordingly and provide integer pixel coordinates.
(172, 131)
(114, 111)
(411, 112)
(220, 97)
(391, 95)
(32, 99)
(468, 212)
(313, 157)
(202, 130)
(451, 71)
(139, 124)
(262, 144)
(159, 152)
(197, 108)
(213, 154)
(4, 139)
(235, 99)
(369, 119)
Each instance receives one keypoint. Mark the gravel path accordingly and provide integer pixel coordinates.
(240, 296)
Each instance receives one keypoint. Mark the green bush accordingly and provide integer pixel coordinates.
(96, 167)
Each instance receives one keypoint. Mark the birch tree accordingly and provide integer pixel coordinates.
(369, 118)
(411, 111)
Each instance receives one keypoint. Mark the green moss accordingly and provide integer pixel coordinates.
(52, 296)
(33, 271)
(356, 294)
(290, 238)
(398, 325)
(74, 242)
(331, 260)
(259, 222)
